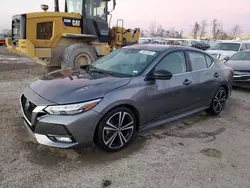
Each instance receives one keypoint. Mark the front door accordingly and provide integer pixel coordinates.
(169, 97)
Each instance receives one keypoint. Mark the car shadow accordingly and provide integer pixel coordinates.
(50, 157)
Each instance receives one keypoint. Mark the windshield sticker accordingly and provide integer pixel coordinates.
(147, 52)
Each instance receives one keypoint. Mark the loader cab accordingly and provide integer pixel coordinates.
(94, 16)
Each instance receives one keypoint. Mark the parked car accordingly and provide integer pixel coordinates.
(240, 62)
(226, 49)
(158, 42)
(144, 40)
(196, 44)
(129, 90)
(2, 39)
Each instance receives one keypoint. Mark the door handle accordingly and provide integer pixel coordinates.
(187, 82)
(216, 75)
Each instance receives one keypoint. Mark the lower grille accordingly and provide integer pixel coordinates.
(27, 107)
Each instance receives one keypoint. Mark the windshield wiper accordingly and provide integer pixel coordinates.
(100, 71)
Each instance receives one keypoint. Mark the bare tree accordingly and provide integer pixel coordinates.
(153, 29)
(195, 30)
(235, 31)
(172, 33)
(6, 31)
(221, 34)
(203, 27)
(160, 32)
(142, 33)
(216, 28)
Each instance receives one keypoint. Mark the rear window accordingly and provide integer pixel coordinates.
(197, 60)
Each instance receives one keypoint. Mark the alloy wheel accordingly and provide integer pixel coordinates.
(118, 130)
(219, 100)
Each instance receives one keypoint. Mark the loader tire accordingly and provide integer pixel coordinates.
(77, 55)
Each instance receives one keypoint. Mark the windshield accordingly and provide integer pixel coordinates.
(226, 46)
(74, 6)
(125, 61)
(96, 9)
(243, 55)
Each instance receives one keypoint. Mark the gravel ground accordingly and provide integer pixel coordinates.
(198, 151)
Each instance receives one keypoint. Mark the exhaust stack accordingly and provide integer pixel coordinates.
(56, 5)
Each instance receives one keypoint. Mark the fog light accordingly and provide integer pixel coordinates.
(63, 139)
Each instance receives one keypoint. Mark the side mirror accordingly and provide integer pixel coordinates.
(161, 75)
(226, 58)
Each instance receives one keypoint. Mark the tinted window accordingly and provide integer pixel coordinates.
(174, 62)
(209, 61)
(243, 47)
(248, 45)
(198, 61)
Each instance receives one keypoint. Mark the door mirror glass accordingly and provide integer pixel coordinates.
(161, 75)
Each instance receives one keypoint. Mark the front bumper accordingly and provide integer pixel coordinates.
(242, 81)
(26, 48)
(44, 127)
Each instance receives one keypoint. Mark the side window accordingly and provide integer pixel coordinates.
(174, 62)
(248, 45)
(197, 60)
(209, 61)
(243, 47)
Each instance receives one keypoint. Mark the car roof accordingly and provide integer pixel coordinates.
(160, 48)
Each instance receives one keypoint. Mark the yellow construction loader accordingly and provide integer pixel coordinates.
(75, 37)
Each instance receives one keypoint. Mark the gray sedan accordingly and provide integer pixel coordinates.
(240, 62)
(128, 91)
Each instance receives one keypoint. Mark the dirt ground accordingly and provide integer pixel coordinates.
(196, 152)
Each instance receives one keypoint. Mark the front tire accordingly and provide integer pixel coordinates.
(77, 55)
(116, 130)
(218, 102)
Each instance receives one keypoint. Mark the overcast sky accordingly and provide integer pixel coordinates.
(179, 14)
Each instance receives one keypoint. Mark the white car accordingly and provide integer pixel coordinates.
(224, 50)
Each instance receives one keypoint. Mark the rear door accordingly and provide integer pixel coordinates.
(204, 76)
(170, 97)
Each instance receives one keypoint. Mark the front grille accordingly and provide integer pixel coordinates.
(18, 28)
(27, 107)
(44, 31)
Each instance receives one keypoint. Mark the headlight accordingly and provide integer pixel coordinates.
(72, 109)
(222, 57)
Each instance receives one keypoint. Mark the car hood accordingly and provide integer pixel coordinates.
(223, 52)
(75, 85)
(239, 65)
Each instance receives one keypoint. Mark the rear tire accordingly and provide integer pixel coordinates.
(77, 55)
(218, 102)
(112, 137)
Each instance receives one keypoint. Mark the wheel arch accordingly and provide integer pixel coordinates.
(128, 105)
(225, 86)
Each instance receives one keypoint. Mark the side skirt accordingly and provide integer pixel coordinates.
(171, 118)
